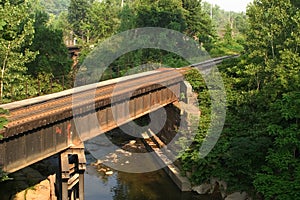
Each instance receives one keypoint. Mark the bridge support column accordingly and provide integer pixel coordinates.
(71, 177)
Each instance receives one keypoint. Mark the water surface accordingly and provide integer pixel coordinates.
(133, 186)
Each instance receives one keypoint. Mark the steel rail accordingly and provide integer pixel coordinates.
(24, 111)
(101, 92)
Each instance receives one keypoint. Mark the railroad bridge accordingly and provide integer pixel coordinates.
(45, 126)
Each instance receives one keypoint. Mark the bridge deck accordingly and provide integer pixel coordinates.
(23, 113)
(44, 126)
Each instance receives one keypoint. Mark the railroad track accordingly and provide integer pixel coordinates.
(30, 110)
(65, 99)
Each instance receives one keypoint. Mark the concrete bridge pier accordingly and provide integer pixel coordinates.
(71, 175)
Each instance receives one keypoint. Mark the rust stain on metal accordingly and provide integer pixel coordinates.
(58, 130)
(69, 130)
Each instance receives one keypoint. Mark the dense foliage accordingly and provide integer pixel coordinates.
(94, 21)
(259, 149)
(52, 55)
(31, 52)
(55, 7)
(16, 24)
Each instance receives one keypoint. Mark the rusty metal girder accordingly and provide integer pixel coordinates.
(67, 112)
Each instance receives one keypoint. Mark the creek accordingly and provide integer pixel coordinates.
(155, 185)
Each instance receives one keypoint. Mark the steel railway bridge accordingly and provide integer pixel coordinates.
(45, 126)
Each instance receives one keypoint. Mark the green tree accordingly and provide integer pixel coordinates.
(270, 84)
(161, 13)
(53, 57)
(77, 16)
(17, 33)
(228, 34)
(258, 150)
(61, 23)
(128, 18)
(199, 25)
(102, 20)
(55, 7)
(275, 64)
(240, 23)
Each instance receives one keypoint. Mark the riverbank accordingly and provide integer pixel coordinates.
(34, 182)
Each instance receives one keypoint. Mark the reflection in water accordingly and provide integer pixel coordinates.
(126, 186)
(152, 186)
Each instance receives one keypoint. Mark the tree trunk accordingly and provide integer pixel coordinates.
(1, 90)
(2, 73)
(273, 51)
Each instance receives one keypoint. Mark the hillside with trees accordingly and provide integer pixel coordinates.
(258, 150)
(230, 28)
